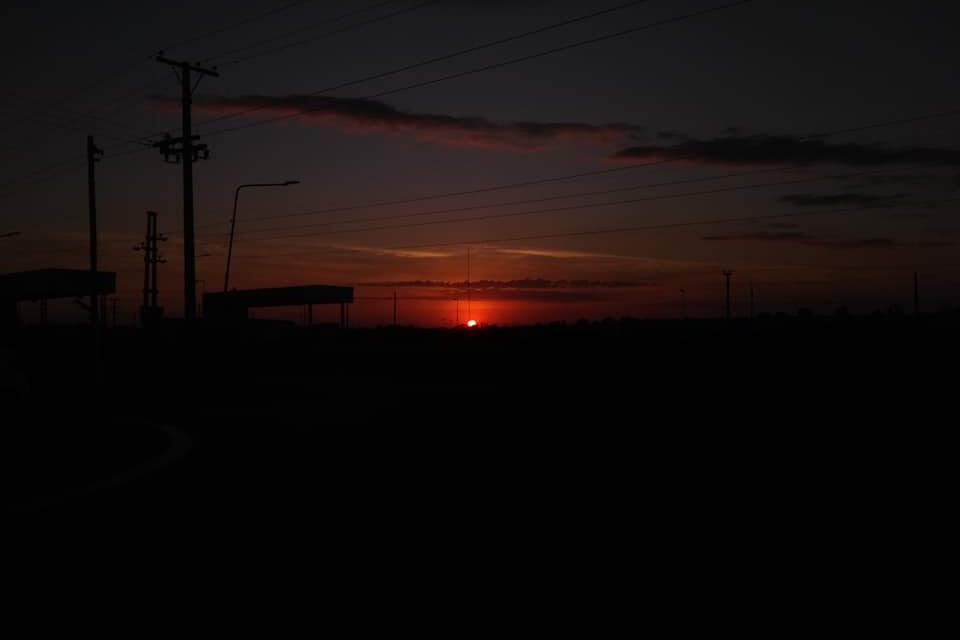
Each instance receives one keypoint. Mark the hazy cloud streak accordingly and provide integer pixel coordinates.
(375, 116)
(525, 283)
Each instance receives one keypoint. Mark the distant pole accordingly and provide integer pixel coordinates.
(155, 258)
(188, 153)
(457, 323)
(469, 312)
(727, 274)
(683, 302)
(916, 294)
(751, 298)
(394, 308)
(145, 247)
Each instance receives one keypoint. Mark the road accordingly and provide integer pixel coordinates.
(535, 508)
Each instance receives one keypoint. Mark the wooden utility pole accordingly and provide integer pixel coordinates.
(187, 152)
(93, 154)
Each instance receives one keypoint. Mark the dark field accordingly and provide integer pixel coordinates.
(779, 478)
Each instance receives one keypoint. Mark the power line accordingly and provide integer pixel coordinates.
(49, 172)
(630, 167)
(443, 57)
(669, 225)
(585, 173)
(329, 34)
(52, 121)
(576, 207)
(266, 41)
(138, 94)
(508, 203)
(33, 110)
(29, 181)
(79, 121)
(236, 25)
(59, 126)
(625, 229)
(561, 178)
(482, 69)
(465, 192)
(452, 194)
(55, 167)
(126, 70)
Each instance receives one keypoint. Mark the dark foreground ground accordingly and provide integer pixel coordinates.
(779, 479)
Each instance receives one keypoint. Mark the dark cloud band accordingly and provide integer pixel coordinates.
(764, 150)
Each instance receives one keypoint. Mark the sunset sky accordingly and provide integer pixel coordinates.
(810, 147)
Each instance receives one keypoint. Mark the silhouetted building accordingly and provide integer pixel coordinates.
(234, 306)
(42, 285)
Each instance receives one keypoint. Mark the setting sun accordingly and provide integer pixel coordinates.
(471, 323)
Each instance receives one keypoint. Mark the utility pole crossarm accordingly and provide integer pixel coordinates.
(186, 65)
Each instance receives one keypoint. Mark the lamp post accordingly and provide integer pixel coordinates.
(233, 220)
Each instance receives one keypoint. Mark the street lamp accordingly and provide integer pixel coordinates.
(233, 220)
